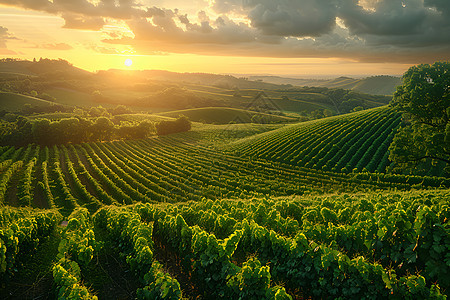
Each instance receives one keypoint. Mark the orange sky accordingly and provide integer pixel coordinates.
(291, 37)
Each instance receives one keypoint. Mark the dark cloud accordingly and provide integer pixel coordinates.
(412, 23)
(293, 17)
(390, 18)
(365, 30)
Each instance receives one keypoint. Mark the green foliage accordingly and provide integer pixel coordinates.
(77, 247)
(78, 242)
(181, 124)
(67, 276)
(424, 99)
(133, 240)
(44, 131)
(253, 282)
(161, 285)
(22, 232)
(404, 233)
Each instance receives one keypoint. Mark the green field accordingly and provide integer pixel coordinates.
(375, 85)
(73, 98)
(244, 220)
(251, 211)
(224, 115)
(357, 141)
(15, 102)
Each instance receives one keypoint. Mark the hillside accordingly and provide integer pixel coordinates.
(49, 67)
(340, 144)
(15, 102)
(168, 169)
(154, 91)
(223, 115)
(375, 85)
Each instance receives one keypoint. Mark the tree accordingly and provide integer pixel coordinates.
(102, 129)
(181, 124)
(120, 110)
(424, 100)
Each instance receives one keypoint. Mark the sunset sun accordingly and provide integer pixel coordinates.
(128, 62)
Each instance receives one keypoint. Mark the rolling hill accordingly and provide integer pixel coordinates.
(353, 142)
(224, 115)
(375, 85)
(15, 102)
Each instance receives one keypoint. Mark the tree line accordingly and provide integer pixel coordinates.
(47, 132)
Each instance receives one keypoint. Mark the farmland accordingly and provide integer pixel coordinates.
(196, 197)
(279, 192)
(357, 141)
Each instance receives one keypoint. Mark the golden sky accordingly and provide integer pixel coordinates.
(284, 37)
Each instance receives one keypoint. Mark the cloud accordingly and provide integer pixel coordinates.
(160, 26)
(57, 46)
(117, 9)
(412, 23)
(366, 30)
(77, 21)
(293, 17)
(104, 50)
(4, 37)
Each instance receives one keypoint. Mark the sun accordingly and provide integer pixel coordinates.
(128, 62)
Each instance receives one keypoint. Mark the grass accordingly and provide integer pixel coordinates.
(15, 102)
(223, 115)
(72, 98)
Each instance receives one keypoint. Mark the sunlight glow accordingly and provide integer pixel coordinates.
(128, 62)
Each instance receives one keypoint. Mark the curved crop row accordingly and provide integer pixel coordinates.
(339, 144)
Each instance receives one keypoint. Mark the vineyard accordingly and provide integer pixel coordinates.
(357, 141)
(293, 213)
(167, 169)
(360, 246)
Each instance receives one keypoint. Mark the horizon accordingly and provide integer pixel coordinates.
(237, 75)
(302, 38)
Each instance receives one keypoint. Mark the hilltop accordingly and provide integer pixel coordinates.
(375, 85)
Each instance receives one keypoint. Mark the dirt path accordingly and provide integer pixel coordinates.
(38, 195)
(11, 197)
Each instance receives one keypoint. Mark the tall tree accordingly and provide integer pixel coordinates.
(424, 100)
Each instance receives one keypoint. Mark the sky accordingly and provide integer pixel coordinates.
(301, 38)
